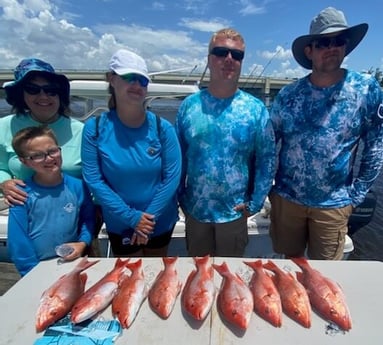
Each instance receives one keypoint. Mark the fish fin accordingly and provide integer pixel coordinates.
(300, 277)
(83, 279)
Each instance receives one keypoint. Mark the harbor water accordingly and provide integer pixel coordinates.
(368, 241)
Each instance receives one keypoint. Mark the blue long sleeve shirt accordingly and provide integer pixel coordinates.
(319, 130)
(50, 216)
(132, 170)
(228, 150)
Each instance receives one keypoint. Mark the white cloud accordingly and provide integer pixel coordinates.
(40, 28)
(279, 53)
(203, 25)
(249, 8)
(158, 6)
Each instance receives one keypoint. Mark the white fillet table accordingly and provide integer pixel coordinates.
(362, 282)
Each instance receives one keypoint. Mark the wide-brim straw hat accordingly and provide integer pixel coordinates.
(328, 21)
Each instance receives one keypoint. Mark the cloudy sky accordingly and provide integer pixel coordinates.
(169, 34)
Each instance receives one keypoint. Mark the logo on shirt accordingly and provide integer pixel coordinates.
(151, 151)
(380, 112)
(69, 207)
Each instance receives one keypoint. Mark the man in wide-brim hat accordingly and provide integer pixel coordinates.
(320, 120)
(328, 23)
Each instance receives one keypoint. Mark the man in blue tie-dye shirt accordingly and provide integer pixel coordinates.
(320, 122)
(228, 149)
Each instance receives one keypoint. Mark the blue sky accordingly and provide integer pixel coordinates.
(83, 34)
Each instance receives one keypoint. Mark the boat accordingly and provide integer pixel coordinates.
(90, 98)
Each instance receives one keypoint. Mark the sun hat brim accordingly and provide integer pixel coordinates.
(354, 34)
(123, 71)
(12, 86)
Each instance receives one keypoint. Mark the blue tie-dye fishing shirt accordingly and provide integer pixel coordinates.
(228, 150)
(319, 130)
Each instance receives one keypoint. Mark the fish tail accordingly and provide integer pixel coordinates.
(222, 269)
(301, 261)
(169, 260)
(254, 264)
(269, 265)
(201, 260)
(84, 264)
(120, 263)
(133, 266)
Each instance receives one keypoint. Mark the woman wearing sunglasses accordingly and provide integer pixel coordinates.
(38, 96)
(132, 163)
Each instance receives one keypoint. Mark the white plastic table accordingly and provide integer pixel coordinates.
(362, 282)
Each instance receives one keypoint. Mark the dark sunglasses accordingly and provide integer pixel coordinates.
(131, 78)
(236, 54)
(49, 90)
(326, 42)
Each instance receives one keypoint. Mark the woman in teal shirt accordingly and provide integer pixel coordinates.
(38, 96)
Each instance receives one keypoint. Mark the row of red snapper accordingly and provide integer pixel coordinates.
(271, 290)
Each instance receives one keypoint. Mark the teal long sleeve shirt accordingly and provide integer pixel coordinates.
(67, 130)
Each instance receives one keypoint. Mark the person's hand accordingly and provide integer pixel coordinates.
(244, 209)
(139, 240)
(12, 194)
(78, 250)
(143, 230)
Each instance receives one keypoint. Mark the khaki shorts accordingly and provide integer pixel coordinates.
(216, 239)
(296, 228)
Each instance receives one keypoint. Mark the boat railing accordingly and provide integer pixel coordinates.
(94, 112)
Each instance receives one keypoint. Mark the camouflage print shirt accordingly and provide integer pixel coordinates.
(320, 131)
(228, 150)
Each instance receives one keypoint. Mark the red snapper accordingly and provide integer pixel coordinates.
(59, 298)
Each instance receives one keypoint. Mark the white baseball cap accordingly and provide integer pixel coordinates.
(124, 62)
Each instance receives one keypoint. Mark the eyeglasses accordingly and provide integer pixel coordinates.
(131, 78)
(327, 42)
(49, 90)
(40, 157)
(236, 54)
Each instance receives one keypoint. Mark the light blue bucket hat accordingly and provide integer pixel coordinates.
(329, 20)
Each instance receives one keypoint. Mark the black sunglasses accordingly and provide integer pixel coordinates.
(236, 54)
(49, 90)
(326, 42)
(131, 78)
